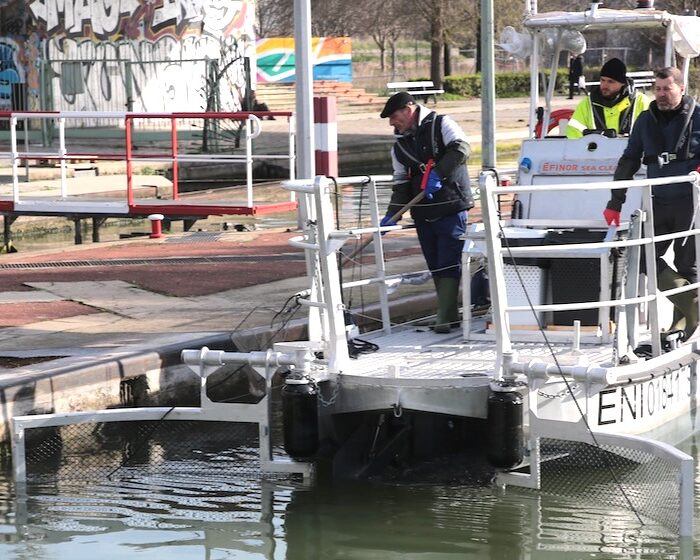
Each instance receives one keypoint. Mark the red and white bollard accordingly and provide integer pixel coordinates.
(156, 225)
(326, 136)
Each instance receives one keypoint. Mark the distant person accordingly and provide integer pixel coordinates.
(667, 139)
(610, 108)
(257, 106)
(575, 74)
(441, 217)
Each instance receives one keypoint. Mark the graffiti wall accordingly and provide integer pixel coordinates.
(12, 74)
(18, 49)
(141, 55)
(331, 58)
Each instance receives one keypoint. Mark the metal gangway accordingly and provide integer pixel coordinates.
(178, 125)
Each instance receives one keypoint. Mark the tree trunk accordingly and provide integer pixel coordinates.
(478, 46)
(382, 53)
(448, 60)
(436, 52)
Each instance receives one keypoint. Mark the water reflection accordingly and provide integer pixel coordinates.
(215, 514)
(450, 523)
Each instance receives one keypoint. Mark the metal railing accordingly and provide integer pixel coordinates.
(493, 245)
(204, 362)
(251, 125)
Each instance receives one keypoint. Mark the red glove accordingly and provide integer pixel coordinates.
(612, 217)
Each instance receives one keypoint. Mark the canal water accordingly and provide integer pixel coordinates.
(216, 509)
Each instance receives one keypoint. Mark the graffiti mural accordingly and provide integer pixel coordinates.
(11, 71)
(146, 55)
(108, 20)
(331, 58)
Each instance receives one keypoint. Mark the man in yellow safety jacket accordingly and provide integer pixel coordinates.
(612, 107)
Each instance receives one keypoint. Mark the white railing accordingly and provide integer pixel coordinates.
(663, 467)
(251, 126)
(204, 362)
(322, 241)
(496, 230)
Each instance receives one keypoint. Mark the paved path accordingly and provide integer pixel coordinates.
(97, 297)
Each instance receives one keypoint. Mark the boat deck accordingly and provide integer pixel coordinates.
(411, 354)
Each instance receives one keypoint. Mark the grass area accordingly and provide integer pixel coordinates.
(503, 150)
(452, 97)
(401, 45)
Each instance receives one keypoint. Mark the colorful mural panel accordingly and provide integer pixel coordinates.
(331, 58)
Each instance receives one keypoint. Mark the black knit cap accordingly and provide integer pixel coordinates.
(614, 69)
(395, 102)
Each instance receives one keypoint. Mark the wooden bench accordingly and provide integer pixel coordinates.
(422, 90)
(643, 79)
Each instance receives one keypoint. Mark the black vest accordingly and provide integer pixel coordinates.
(414, 152)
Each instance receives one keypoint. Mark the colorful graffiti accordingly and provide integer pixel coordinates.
(331, 58)
(11, 71)
(111, 20)
(163, 75)
(145, 55)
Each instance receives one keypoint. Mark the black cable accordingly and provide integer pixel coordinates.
(338, 254)
(357, 346)
(363, 185)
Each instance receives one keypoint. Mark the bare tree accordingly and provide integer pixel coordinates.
(432, 11)
(336, 18)
(274, 18)
(385, 22)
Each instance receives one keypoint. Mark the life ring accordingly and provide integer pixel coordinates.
(554, 118)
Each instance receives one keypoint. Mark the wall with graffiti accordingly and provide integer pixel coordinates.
(12, 73)
(141, 55)
(331, 58)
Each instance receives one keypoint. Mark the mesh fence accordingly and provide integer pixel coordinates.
(613, 475)
(98, 451)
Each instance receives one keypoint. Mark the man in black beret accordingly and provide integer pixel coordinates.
(431, 154)
(611, 107)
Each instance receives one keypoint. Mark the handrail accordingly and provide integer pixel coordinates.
(497, 251)
(252, 129)
(336, 238)
(692, 177)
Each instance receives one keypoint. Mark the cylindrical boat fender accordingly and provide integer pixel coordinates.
(300, 417)
(505, 425)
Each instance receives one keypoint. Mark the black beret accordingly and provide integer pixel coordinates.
(395, 102)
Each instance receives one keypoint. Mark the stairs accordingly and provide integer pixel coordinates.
(281, 97)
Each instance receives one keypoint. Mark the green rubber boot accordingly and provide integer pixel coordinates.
(448, 304)
(685, 312)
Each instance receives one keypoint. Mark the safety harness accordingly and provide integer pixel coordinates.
(415, 165)
(681, 151)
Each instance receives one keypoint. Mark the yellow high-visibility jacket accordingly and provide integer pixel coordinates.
(590, 115)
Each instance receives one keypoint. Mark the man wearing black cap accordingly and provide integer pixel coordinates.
(667, 139)
(612, 107)
(441, 217)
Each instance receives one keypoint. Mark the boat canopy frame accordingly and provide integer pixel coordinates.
(682, 37)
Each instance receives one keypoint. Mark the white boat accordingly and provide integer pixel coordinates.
(550, 372)
(557, 360)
